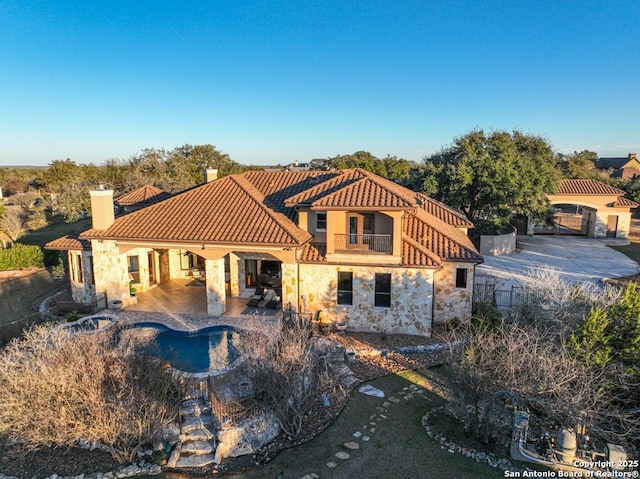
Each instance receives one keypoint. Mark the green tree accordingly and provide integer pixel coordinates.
(590, 342)
(578, 164)
(391, 167)
(493, 177)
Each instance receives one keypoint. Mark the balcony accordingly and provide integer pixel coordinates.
(365, 243)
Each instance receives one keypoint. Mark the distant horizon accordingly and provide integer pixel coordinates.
(274, 82)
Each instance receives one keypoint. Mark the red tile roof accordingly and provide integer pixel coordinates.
(587, 187)
(145, 195)
(625, 202)
(229, 210)
(257, 208)
(69, 242)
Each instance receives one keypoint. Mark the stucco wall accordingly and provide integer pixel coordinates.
(496, 245)
(411, 298)
(451, 302)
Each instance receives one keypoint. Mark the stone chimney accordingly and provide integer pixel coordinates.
(210, 174)
(633, 156)
(102, 215)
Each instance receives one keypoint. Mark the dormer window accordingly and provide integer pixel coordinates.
(321, 221)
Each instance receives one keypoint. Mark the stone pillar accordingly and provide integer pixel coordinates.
(290, 284)
(110, 268)
(234, 274)
(216, 298)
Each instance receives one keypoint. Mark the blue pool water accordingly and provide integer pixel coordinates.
(195, 352)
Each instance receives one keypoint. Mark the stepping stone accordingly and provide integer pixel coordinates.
(342, 455)
(414, 387)
(372, 423)
(332, 464)
(313, 475)
(380, 409)
(386, 404)
(408, 396)
(372, 416)
(371, 391)
(351, 445)
(394, 399)
(357, 434)
(383, 416)
(405, 388)
(365, 427)
(373, 429)
(365, 438)
(420, 391)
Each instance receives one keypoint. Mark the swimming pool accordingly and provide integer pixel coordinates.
(201, 351)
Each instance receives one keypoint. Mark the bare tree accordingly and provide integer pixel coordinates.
(58, 388)
(13, 222)
(288, 375)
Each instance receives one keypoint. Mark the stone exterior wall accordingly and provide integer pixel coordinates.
(81, 291)
(110, 269)
(411, 298)
(452, 302)
(175, 265)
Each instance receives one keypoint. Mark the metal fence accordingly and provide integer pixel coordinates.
(364, 242)
(505, 299)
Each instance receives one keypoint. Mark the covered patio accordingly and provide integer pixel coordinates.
(186, 296)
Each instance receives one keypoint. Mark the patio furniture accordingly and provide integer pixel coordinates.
(275, 301)
(198, 275)
(258, 297)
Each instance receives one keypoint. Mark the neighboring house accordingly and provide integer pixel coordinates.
(625, 167)
(606, 213)
(348, 243)
(144, 196)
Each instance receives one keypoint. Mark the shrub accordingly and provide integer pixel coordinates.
(21, 256)
(57, 388)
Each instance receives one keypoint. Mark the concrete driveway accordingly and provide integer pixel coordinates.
(577, 259)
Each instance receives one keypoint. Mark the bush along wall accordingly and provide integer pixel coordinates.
(21, 256)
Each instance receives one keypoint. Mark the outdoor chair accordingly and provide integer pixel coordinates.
(275, 301)
(257, 298)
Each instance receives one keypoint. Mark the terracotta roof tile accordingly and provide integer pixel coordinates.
(256, 208)
(444, 212)
(69, 242)
(445, 241)
(314, 253)
(142, 196)
(229, 210)
(356, 188)
(622, 201)
(587, 187)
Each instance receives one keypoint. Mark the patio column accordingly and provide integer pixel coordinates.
(234, 274)
(216, 298)
(289, 284)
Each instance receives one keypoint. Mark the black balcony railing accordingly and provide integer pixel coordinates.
(364, 243)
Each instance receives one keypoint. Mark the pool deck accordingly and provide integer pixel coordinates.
(181, 305)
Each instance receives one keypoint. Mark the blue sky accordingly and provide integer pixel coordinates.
(277, 81)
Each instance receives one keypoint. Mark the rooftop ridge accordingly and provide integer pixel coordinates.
(405, 193)
(258, 197)
(424, 250)
(450, 232)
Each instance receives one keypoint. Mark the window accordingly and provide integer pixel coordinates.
(251, 272)
(321, 221)
(461, 277)
(383, 290)
(345, 287)
(76, 268)
(92, 279)
(133, 266)
(186, 260)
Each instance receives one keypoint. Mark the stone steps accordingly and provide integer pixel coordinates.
(194, 461)
(197, 433)
(198, 448)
